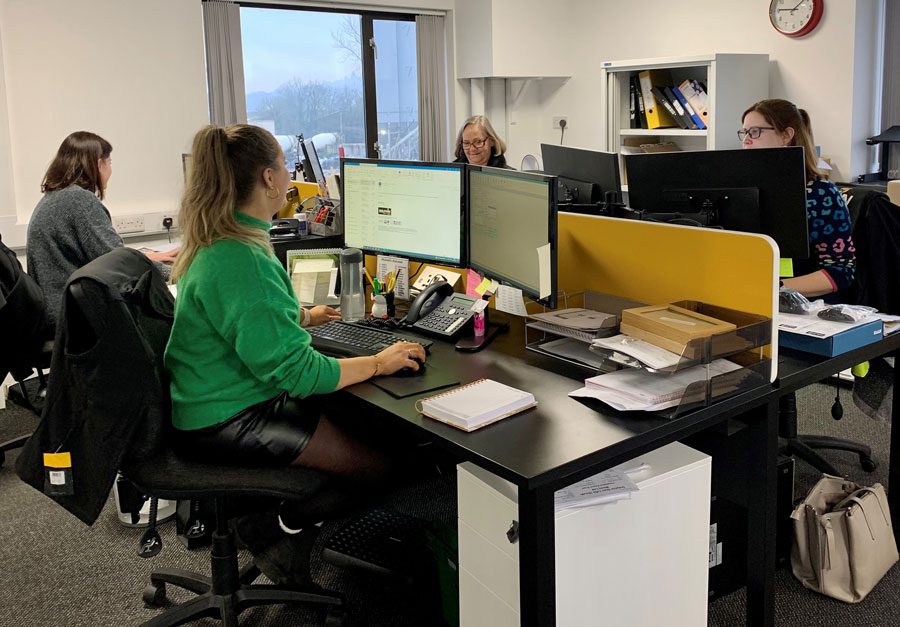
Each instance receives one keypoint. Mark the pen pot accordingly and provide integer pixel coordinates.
(383, 305)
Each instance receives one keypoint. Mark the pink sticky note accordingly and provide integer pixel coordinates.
(472, 281)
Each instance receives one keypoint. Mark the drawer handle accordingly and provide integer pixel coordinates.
(512, 534)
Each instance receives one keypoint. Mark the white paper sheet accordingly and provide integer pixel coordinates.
(510, 300)
(544, 284)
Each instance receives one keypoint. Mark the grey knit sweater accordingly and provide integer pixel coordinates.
(69, 228)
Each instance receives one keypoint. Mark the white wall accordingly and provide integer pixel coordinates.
(131, 71)
(816, 71)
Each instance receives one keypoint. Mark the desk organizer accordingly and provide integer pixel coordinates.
(743, 344)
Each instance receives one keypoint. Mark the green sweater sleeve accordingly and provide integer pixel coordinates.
(251, 304)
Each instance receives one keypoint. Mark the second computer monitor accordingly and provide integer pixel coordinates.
(759, 191)
(312, 167)
(407, 208)
(512, 229)
(584, 175)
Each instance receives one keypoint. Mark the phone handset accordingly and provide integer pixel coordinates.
(427, 300)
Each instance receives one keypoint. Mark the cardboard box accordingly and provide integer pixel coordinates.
(670, 326)
(854, 337)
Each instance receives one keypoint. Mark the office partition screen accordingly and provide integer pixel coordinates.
(511, 216)
(412, 209)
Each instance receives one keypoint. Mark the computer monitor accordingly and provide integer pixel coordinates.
(512, 215)
(585, 176)
(312, 169)
(759, 191)
(407, 208)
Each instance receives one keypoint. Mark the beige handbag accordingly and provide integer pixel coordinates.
(843, 539)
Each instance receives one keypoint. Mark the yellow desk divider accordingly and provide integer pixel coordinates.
(664, 263)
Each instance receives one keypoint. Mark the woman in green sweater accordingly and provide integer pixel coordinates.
(241, 363)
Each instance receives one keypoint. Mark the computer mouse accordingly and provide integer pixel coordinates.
(409, 372)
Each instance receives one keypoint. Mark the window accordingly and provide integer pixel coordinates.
(308, 72)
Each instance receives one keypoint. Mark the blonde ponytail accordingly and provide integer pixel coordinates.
(226, 163)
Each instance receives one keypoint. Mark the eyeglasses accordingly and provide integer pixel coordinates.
(475, 143)
(753, 132)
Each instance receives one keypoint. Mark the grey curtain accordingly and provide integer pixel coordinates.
(224, 62)
(431, 61)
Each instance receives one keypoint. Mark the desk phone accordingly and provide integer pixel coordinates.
(440, 312)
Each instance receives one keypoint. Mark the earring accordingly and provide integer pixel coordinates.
(272, 189)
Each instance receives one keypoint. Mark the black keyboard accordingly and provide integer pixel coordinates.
(347, 339)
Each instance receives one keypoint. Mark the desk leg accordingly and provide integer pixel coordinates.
(537, 558)
(763, 431)
(893, 486)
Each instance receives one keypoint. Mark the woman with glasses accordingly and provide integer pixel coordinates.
(478, 143)
(832, 263)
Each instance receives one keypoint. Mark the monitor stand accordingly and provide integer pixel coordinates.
(475, 343)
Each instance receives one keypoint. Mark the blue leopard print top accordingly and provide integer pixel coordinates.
(831, 245)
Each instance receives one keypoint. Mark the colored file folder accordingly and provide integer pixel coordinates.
(657, 115)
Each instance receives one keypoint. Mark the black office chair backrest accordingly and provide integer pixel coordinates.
(22, 322)
(876, 235)
(108, 399)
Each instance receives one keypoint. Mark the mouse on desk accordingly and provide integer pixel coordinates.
(409, 372)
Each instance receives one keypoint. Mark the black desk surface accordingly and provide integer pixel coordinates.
(559, 441)
(797, 369)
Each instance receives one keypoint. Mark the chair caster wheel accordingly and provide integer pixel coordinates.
(334, 616)
(868, 464)
(155, 594)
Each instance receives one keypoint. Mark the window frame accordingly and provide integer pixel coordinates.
(367, 56)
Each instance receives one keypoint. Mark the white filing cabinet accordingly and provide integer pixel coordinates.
(636, 562)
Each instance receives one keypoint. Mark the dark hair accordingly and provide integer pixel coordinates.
(76, 163)
(782, 115)
(226, 164)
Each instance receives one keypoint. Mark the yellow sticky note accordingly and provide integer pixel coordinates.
(786, 267)
(483, 287)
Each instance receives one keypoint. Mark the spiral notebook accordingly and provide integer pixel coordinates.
(476, 404)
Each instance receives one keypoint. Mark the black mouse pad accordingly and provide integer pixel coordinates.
(401, 387)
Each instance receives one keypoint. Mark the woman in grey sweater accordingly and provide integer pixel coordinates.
(70, 226)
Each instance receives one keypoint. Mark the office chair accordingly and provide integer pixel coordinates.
(876, 232)
(114, 324)
(26, 345)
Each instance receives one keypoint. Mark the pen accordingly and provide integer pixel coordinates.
(376, 285)
(371, 282)
(392, 278)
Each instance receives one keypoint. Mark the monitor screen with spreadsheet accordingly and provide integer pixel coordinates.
(407, 208)
(512, 229)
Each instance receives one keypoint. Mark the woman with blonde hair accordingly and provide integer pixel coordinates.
(478, 143)
(242, 368)
(241, 362)
(831, 266)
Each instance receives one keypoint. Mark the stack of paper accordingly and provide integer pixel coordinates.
(639, 390)
(314, 281)
(614, 484)
(648, 354)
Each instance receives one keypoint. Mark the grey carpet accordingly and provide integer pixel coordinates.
(56, 571)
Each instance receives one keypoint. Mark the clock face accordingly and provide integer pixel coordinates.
(795, 17)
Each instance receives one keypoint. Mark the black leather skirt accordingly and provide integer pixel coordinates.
(270, 433)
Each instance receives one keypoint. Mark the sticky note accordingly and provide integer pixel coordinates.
(544, 286)
(483, 287)
(786, 267)
(472, 282)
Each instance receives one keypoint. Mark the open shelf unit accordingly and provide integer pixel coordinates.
(733, 82)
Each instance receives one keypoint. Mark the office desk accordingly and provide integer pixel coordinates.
(562, 441)
(797, 370)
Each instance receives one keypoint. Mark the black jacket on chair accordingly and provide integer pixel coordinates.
(877, 237)
(21, 317)
(103, 432)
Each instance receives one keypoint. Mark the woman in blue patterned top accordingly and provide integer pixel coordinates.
(832, 262)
